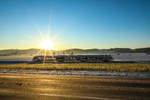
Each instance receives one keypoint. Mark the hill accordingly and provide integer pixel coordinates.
(10, 52)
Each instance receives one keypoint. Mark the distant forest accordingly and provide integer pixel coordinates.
(10, 52)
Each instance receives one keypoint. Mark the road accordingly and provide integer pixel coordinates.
(46, 87)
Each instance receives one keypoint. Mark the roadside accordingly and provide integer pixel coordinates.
(47, 87)
(77, 73)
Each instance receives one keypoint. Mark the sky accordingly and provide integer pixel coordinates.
(75, 23)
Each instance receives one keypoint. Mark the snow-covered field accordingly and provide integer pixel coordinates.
(116, 56)
(78, 73)
(16, 58)
(131, 57)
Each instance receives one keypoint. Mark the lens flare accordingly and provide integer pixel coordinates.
(47, 45)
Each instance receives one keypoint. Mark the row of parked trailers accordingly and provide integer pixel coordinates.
(73, 58)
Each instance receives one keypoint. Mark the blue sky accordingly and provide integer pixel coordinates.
(75, 23)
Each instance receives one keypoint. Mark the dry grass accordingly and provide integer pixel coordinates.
(118, 67)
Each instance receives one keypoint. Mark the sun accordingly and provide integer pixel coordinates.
(47, 45)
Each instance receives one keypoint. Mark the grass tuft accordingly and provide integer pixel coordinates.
(117, 67)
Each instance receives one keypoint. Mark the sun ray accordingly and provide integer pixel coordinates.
(47, 45)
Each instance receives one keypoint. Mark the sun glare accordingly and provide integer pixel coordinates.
(47, 44)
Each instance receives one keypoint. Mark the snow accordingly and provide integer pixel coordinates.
(131, 57)
(79, 73)
(116, 56)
